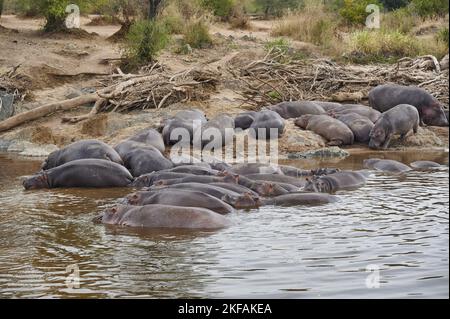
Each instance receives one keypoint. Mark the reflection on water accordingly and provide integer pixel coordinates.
(397, 224)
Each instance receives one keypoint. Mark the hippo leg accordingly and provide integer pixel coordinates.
(386, 142)
(335, 143)
(416, 128)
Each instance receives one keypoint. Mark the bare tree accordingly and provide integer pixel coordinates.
(153, 6)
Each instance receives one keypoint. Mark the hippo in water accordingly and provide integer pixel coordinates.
(267, 125)
(87, 173)
(289, 110)
(360, 125)
(276, 178)
(385, 97)
(194, 170)
(336, 132)
(163, 216)
(345, 180)
(383, 165)
(295, 172)
(425, 165)
(85, 149)
(297, 199)
(399, 120)
(255, 168)
(150, 137)
(142, 159)
(180, 197)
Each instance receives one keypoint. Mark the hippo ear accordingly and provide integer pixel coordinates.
(236, 178)
(308, 180)
(114, 210)
(135, 196)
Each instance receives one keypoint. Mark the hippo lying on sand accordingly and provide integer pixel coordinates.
(336, 132)
(289, 110)
(267, 125)
(81, 173)
(399, 120)
(150, 137)
(184, 122)
(346, 180)
(367, 112)
(163, 216)
(383, 165)
(85, 149)
(360, 125)
(216, 133)
(385, 97)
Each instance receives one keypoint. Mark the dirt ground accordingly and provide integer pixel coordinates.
(62, 67)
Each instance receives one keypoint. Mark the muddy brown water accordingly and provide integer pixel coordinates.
(393, 233)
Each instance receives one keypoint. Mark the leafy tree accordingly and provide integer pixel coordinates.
(276, 7)
(153, 7)
(394, 4)
(354, 11)
(220, 8)
(427, 8)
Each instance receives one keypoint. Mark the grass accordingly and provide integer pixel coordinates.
(197, 35)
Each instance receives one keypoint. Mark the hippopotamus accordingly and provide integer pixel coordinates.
(383, 165)
(385, 97)
(150, 137)
(289, 110)
(297, 199)
(267, 125)
(425, 165)
(345, 180)
(149, 180)
(328, 106)
(198, 179)
(360, 125)
(240, 189)
(180, 197)
(181, 127)
(254, 168)
(163, 216)
(371, 114)
(217, 132)
(261, 187)
(194, 170)
(399, 120)
(85, 149)
(142, 159)
(295, 172)
(276, 178)
(245, 120)
(95, 173)
(336, 132)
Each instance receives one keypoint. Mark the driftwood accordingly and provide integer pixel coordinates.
(276, 78)
(154, 88)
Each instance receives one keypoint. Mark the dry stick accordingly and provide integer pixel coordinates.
(98, 105)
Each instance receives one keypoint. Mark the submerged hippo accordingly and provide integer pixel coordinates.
(267, 125)
(180, 197)
(289, 110)
(336, 132)
(297, 199)
(385, 97)
(198, 179)
(262, 188)
(181, 127)
(194, 170)
(150, 137)
(360, 125)
(425, 165)
(383, 165)
(296, 172)
(255, 168)
(142, 159)
(345, 180)
(276, 178)
(163, 216)
(81, 173)
(149, 180)
(85, 149)
(399, 120)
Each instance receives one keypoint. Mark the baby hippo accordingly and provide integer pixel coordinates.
(399, 120)
(336, 132)
(163, 216)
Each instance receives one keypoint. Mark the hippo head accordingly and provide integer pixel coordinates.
(50, 161)
(142, 181)
(229, 177)
(246, 201)
(36, 182)
(369, 163)
(377, 137)
(112, 215)
(302, 121)
(134, 199)
(324, 171)
(434, 115)
(318, 185)
(264, 188)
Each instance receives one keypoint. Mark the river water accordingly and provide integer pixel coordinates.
(389, 239)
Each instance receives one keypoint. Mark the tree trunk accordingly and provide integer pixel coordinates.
(1, 8)
(46, 110)
(153, 8)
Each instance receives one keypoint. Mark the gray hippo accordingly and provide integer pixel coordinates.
(216, 133)
(360, 125)
(385, 97)
(181, 127)
(345, 180)
(336, 132)
(328, 106)
(289, 110)
(198, 179)
(194, 170)
(383, 165)
(240, 189)
(262, 188)
(142, 159)
(276, 178)
(85, 149)
(150, 137)
(425, 165)
(163, 216)
(245, 120)
(399, 120)
(180, 197)
(87, 173)
(267, 125)
(371, 114)
(297, 199)
(255, 168)
(148, 180)
(295, 172)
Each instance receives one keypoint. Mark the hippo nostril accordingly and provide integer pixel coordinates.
(98, 219)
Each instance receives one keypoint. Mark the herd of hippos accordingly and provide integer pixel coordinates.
(194, 194)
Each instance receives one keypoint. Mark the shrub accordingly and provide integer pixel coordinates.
(354, 11)
(443, 36)
(238, 18)
(144, 41)
(402, 20)
(280, 44)
(276, 7)
(197, 35)
(220, 8)
(429, 8)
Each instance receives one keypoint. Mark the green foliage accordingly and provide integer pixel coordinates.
(402, 20)
(220, 8)
(394, 4)
(443, 36)
(429, 8)
(197, 35)
(354, 11)
(277, 7)
(280, 44)
(144, 41)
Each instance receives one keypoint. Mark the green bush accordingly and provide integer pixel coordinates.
(429, 8)
(144, 41)
(197, 35)
(220, 8)
(402, 20)
(280, 44)
(443, 36)
(354, 11)
(277, 7)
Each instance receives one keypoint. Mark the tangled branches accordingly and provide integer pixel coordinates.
(276, 78)
(15, 83)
